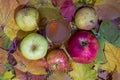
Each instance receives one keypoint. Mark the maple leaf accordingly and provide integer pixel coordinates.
(113, 57)
(83, 71)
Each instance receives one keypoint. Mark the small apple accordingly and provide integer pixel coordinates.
(34, 46)
(83, 47)
(58, 60)
(27, 18)
(86, 18)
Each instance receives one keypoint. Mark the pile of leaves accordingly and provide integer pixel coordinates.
(105, 67)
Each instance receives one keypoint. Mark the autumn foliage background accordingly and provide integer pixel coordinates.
(106, 9)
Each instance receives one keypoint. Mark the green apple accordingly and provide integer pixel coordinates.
(86, 18)
(34, 46)
(27, 19)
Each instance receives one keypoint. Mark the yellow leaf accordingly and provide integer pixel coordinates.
(83, 71)
(8, 75)
(7, 10)
(113, 57)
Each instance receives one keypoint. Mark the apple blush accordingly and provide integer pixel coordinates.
(58, 60)
(83, 47)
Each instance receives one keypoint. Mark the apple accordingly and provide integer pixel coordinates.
(27, 18)
(58, 60)
(58, 31)
(86, 18)
(34, 46)
(83, 47)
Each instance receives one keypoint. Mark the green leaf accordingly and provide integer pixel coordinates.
(100, 59)
(9, 67)
(7, 42)
(9, 73)
(110, 32)
(83, 71)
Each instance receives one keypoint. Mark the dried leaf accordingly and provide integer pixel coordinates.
(104, 75)
(83, 71)
(7, 8)
(116, 76)
(3, 56)
(113, 57)
(25, 65)
(103, 7)
(11, 29)
(59, 76)
(40, 3)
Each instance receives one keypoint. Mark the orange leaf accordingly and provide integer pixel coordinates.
(25, 65)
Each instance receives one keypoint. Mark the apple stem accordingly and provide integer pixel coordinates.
(83, 43)
(63, 47)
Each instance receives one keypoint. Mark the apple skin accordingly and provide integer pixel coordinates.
(27, 18)
(34, 46)
(58, 60)
(86, 18)
(83, 47)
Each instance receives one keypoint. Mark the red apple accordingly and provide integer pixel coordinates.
(58, 60)
(83, 47)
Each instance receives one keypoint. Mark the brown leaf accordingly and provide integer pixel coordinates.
(7, 8)
(3, 60)
(108, 9)
(2, 68)
(116, 76)
(3, 56)
(25, 65)
(19, 75)
(59, 76)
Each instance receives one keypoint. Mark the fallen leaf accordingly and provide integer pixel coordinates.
(32, 66)
(22, 2)
(19, 75)
(40, 3)
(68, 10)
(11, 29)
(7, 10)
(116, 76)
(83, 71)
(104, 75)
(113, 57)
(2, 68)
(59, 76)
(103, 7)
(3, 56)
(7, 75)
(109, 31)
(3, 60)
